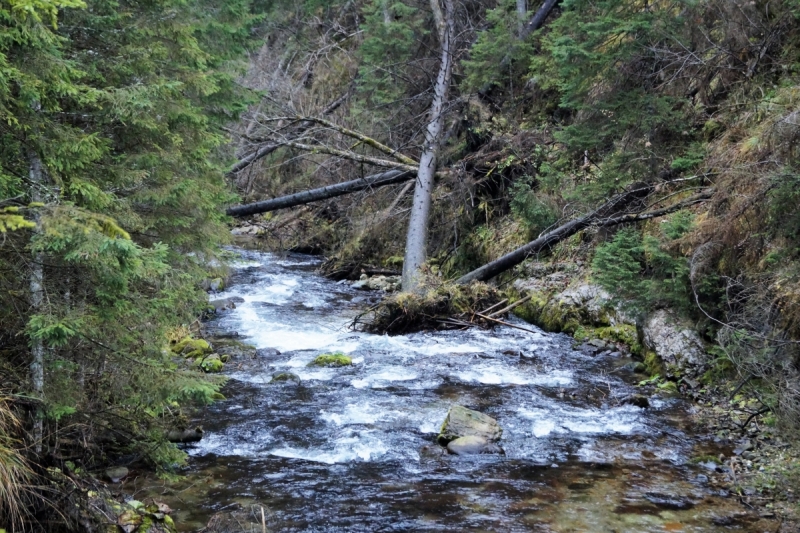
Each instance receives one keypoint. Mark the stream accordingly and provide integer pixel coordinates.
(352, 448)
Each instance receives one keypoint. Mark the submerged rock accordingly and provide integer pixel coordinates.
(463, 422)
(472, 445)
(638, 400)
(331, 359)
(116, 473)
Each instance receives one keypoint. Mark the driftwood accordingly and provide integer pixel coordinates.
(314, 195)
(604, 216)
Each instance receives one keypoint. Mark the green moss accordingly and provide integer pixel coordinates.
(284, 377)
(191, 347)
(668, 386)
(705, 459)
(624, 333)
(211, 364)
(331, 359)
(653, 364)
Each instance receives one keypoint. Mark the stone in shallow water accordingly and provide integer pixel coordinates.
(284, 377)
(639, 400)
(116, 473)
(472, 445)
(463, 422)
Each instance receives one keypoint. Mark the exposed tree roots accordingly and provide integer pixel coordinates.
(443, 305)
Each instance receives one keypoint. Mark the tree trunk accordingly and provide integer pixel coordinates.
(522, 11)
(36, 287)
(562, 232)
(538, 18)
(314, 195)
(601, 217)
(416, 239)
(438, 19)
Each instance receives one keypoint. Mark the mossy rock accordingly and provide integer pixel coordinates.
(211, 364)
(622, 334)
(235, 348)
(188, 345)
(284, 377)
(331, 360)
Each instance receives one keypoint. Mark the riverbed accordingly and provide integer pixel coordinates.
(353, 448)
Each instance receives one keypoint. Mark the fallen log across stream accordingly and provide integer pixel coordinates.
(314, 195)
(604, 216)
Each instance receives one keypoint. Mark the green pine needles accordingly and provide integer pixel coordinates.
(112, 168)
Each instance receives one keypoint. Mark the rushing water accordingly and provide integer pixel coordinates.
(345, 450)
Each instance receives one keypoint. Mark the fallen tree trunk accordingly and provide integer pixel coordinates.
(538, 18)
(314, 195)
(600, 217)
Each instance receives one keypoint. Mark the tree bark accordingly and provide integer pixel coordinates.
(376, 180)
(438, 19)
(538, 18)
(36, 287)
(416, 239)
(522, 11)
(600, 217)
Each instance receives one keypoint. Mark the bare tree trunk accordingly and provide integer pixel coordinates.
(314, 195)
(522, 12)
(36, 287)
(438, 19)
(387, 15)
(416, 239)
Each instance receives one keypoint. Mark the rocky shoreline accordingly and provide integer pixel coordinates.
(761, 468)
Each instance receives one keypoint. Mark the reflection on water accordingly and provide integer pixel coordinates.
(350, 449)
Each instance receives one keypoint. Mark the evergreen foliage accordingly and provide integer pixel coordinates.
(641, 272)
(122, 103)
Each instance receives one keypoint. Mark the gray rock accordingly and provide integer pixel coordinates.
(224, 304)
(246, 230)
(669, 501)
(463, 422)
(472, 445)
(185, 435)
(597, 343)
(635, 366)
(267, 352)
(675, 342)
(116, 473)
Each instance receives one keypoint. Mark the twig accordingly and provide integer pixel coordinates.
(488, 309)
(505, 323)
(512, 306)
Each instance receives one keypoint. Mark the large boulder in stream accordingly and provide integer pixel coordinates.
(469, 432)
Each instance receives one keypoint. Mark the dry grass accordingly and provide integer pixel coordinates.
(15, 473)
